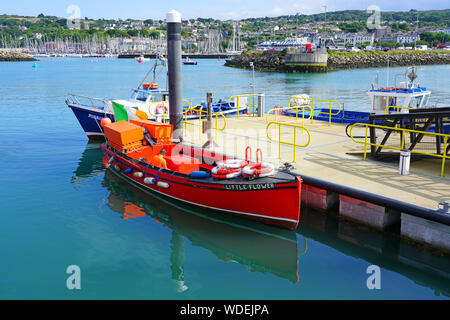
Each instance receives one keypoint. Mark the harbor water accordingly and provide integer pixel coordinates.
(60, 207)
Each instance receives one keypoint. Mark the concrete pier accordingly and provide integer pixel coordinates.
(424, 231)
(336, 159)
(318, 199)
(367, 213)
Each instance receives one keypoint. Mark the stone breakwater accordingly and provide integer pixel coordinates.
(353, 60)
(262, 61)
(15, 56)
(275, 61)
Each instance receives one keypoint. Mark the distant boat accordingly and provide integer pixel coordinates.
(189, 61)
(142, 59)
(41, 55)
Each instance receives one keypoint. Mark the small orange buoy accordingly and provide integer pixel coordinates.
(105, 121)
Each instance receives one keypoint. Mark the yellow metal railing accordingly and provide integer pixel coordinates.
(164, 106)
(294, 143)
(249, 103)
(398, 108)
(199, 124)
(277, 110)
(403, 131)
(315, 101)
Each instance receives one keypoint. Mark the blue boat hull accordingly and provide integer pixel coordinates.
(346, 117)
(89, 119)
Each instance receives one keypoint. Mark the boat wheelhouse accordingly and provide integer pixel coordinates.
(407, 95)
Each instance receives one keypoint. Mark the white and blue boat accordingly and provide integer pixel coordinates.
(151, 101)
(384, 100)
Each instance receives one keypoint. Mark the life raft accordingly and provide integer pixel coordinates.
(150, 86)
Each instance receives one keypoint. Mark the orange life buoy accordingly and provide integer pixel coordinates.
(222, 173)
(159, 106)
(232, 164)
(258, 170)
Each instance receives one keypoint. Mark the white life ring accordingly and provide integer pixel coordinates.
(223, 173)
(232, 164)
(258, 170)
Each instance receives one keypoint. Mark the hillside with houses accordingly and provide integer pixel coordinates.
(341, 30)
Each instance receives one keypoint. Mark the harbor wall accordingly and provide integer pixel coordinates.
(410, 222)
(307, 61)
(284, 62)
(184, 55)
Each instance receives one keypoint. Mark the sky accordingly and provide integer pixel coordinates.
(225, 9)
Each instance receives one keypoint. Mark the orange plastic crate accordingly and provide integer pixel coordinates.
(123, 133)
(157, 130)
(126, 148)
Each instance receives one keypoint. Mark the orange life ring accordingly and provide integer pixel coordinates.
(222, 173)
(159, 106)
(232, 164)
(258, 170)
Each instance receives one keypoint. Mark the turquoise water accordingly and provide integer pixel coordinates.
(60, 208)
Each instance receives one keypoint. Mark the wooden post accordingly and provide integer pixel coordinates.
(208, 125)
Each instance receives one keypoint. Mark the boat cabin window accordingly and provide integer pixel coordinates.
(415, 102)
(140, 96)
(157, 98)
(380, 103)
(425, 100)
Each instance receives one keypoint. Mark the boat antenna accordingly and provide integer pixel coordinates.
(153, 68)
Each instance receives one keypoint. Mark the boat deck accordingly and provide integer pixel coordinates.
(334, 157)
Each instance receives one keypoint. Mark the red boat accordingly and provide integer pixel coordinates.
(269, 197)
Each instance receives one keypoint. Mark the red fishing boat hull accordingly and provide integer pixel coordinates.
(268, 200)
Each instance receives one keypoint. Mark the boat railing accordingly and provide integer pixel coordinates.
(314, 102)
(403, 133)
(198, 122)
(397, 109)
(92, 102)
(249, 101)
(294, 142)
(279, 110)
